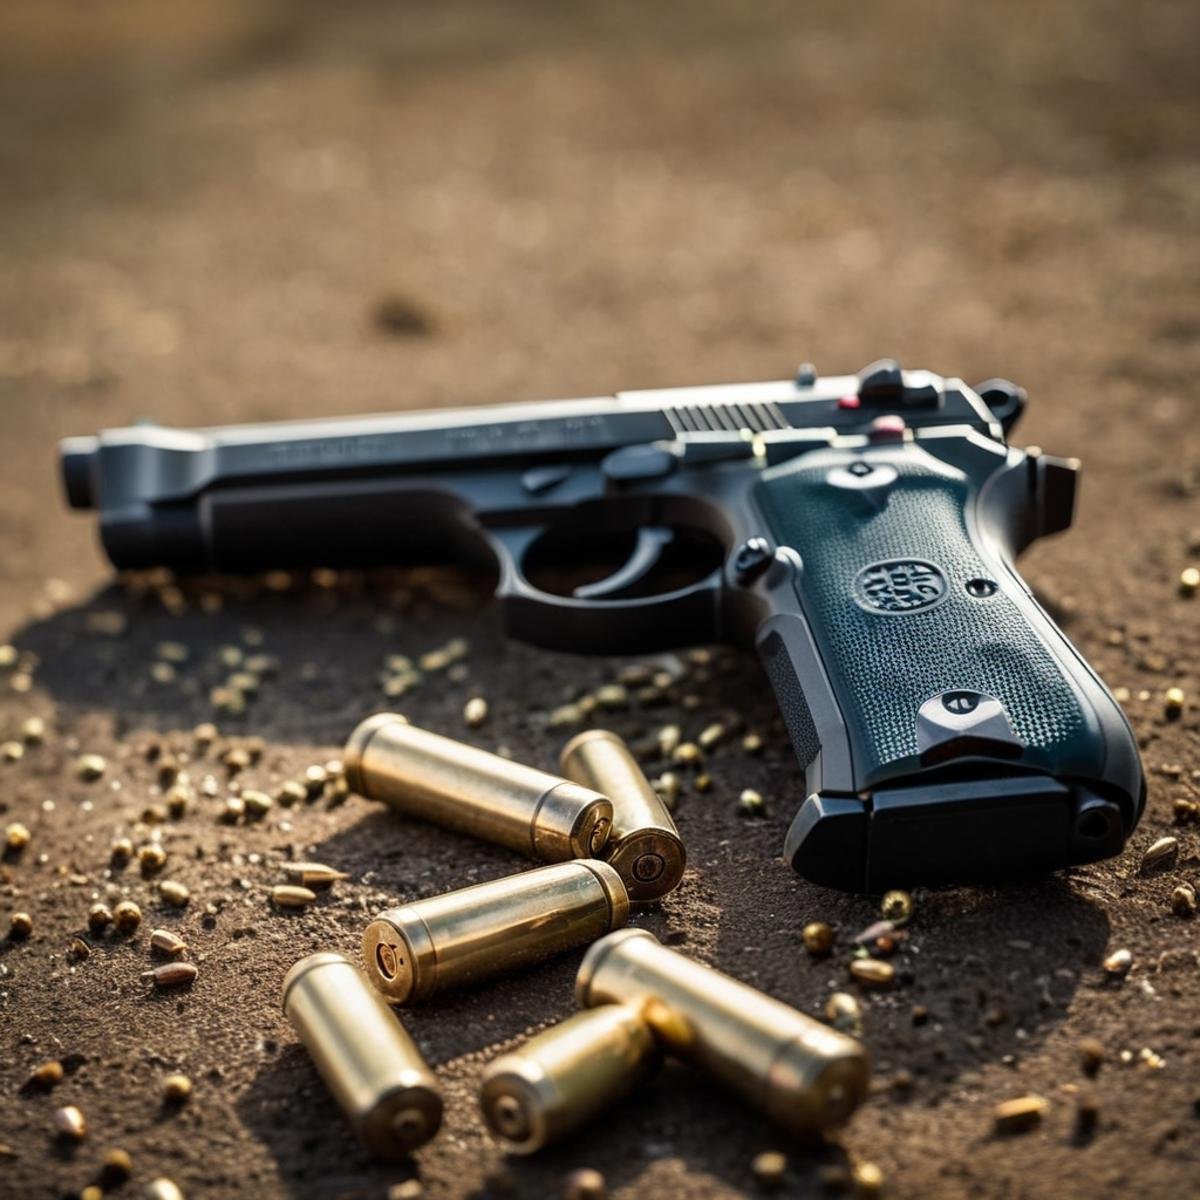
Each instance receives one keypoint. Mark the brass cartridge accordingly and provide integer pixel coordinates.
(643, 843)
(563, 1076)
(478, 932)
(460, 787)
(803, 1074)
(367, 1059)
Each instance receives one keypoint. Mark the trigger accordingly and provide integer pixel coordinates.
(650, 544)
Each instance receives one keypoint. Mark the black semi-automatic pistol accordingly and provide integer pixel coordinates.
(859, 530)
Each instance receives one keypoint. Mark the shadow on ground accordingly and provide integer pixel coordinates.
(976, 986)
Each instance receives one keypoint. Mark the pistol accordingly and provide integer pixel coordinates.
(859, 530)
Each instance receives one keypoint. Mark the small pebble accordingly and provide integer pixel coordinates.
(233, 810)
(121, 851)
(1162, 853)
(287, 895)
(20, 925)
(896, 906)
(310, 874)
(230, 657)
(178, 799)
(12, 751)
(255, 803)
(668, 785)
(1189, 581)
(1118, 963)
(116, 1167)
(127, 917)
(16, 837)
(174, 893)
(166, 942)
(162, 672)
(818, 938)
(176, 1088)
(688, 754)
(585, 1184)
(844, 1012)
(46, 1074)
(33, 731)
(172, 974)
(410, 1189)
(475, 712)
(1091, 1055)
(710, 736)
(204, 735)
(162, 1189)
(90, 767)
(1183, 900)
(1184, 810)
(151, 857)
(99, 917)
(873, 972)
(291, 793)
(769, 1169)
(563, 716)
(868, 1181)
(751, 803)
(668, 738)
(1019, 1115)
(70, 1123)
(612, 696)
(315, 780)
(1173, 702)
(752, 743)
(236, 760)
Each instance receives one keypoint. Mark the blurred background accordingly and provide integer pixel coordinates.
(236, 210)
(233, 211)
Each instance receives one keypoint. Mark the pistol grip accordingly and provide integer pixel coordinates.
(948, 729)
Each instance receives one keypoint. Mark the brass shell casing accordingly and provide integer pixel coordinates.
(802, 1074)
(475, 933)
(644, 844)
(461, 787)
(563, 1076)
(366, 1057)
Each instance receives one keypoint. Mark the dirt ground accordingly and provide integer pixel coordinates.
(203, 209)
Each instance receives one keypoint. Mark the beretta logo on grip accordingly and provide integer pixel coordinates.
(900, 585)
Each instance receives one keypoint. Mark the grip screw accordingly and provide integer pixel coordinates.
(981, 588)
